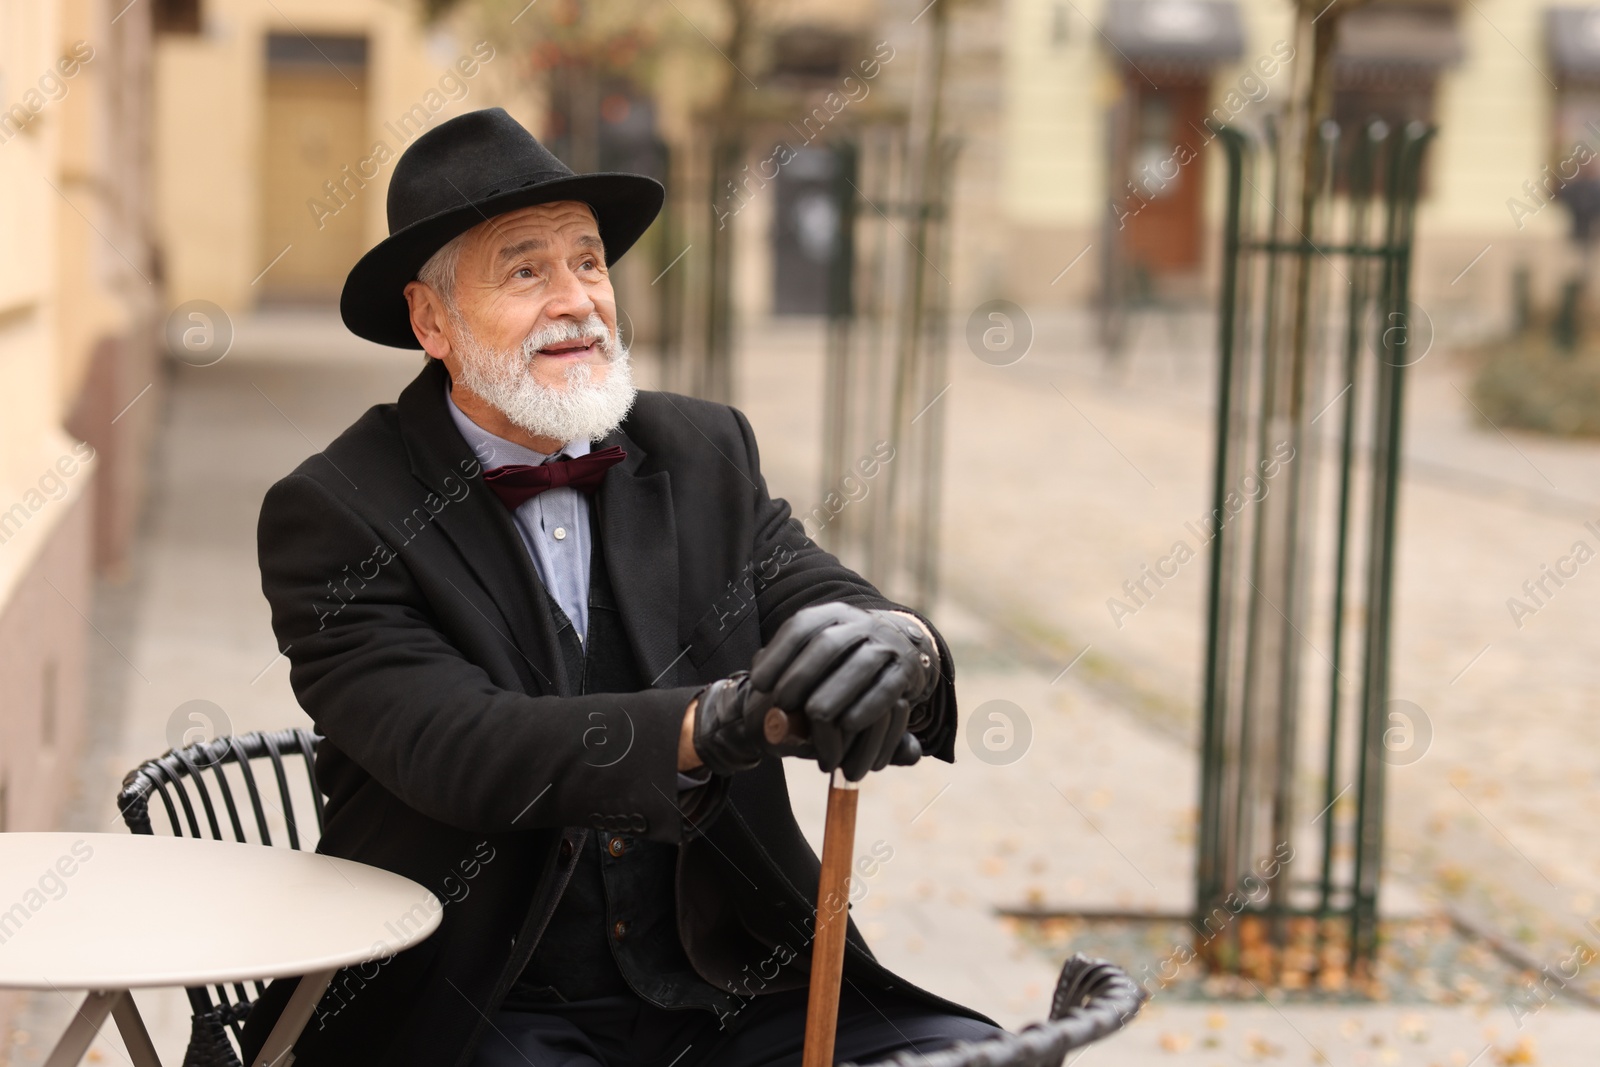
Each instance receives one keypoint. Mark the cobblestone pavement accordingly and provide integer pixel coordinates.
(1097, 808)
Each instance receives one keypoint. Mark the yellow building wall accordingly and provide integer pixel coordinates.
(28, 208)
(87, 237)
(1494, 120)
(1053, 170)
(44, 527)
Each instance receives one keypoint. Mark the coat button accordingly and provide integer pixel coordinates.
(566, 851)
(617, 846)
(619, 929)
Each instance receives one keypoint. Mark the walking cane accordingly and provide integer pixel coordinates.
(833, 900)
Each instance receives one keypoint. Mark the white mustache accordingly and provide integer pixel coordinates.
(592, 330)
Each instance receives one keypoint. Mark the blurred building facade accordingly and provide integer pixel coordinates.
(1083, 137)
(278, 126)
(1082, 131)
(1105, 108)
(79, 294)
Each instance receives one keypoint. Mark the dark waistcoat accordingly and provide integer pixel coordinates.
(615, 929)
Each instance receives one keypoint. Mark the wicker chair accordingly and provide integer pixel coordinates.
(1093, 999)
(182, 771)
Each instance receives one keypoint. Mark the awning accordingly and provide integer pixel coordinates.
(1418, 38)
(1572, 41)
(1183, 31)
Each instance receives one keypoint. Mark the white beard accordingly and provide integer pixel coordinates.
(582, 408)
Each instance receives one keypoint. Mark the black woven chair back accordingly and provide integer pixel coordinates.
(1093, 1000)
(198, 799)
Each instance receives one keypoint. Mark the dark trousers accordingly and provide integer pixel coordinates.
(624, 1031)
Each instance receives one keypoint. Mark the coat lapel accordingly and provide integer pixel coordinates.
(479, 526)
(639, 532)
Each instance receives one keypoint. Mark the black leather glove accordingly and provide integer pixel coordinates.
(729, 727)
(855, 675)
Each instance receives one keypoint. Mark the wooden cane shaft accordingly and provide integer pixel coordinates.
(832, 921)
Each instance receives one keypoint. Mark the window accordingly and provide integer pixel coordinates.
(810, 55)
(176, 16)
(317, 52)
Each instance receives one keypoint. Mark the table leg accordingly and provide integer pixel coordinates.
(69, 1051)
(140, 1048)
(277, 1052)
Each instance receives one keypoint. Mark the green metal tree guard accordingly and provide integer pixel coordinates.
(1315, 337)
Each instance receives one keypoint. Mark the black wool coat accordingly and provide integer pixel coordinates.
(422, 647)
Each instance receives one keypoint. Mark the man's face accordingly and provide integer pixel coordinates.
(530, 336)
(531, 269)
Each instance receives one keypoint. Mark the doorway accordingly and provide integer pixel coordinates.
(1164, 229)
(315, 134)
(805, 225)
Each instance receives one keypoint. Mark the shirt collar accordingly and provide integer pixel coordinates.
(495, 451)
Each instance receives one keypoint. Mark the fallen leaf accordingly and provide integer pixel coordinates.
(1172, 1042)
(1520, 1053)
(1260, 1046)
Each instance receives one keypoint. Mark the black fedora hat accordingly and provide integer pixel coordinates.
(460, 173)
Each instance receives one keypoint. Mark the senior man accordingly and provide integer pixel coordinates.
(538, 617)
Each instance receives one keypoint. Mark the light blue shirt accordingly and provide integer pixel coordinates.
(554, 525)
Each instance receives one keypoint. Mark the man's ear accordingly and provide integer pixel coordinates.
(428, 319)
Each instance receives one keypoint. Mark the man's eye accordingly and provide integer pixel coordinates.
(524, 272)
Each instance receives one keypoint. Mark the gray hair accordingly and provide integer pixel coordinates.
(439, 272)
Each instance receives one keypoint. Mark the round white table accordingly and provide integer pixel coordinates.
(109, 913)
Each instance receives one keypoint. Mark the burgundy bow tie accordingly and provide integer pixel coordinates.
(517, 483)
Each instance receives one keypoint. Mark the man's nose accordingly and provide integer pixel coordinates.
(569, 297)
